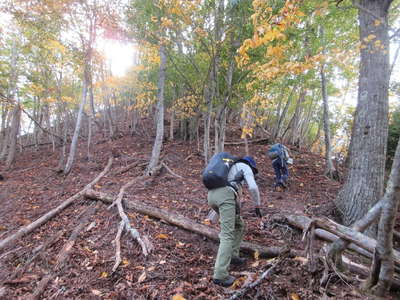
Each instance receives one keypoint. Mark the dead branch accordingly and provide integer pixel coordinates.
(118, 246)
(357, 239)
(186, 223)
(127, 168)
(64, 253)
(32, 226)
(133, 232)
(264, 275)
(170, 171)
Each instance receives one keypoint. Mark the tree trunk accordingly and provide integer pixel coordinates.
(382, 267)
(365, 181)
(15, 124)
(3, 132)
(295, 118)
(282, 116)
(171, 125)
(330, 170)
(155, 154)
(74, 142)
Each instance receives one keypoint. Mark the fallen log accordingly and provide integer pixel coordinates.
(302, 222)
(331, 231)
(186, 223)
(340, 231)
(43, 219)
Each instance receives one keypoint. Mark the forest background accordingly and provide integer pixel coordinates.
(312, 74)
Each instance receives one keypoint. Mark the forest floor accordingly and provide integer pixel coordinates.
(181, 262)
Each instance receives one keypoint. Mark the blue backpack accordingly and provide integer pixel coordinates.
(277, 150)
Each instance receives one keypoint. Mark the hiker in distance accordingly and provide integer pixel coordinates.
(224, 177)
(279, 154)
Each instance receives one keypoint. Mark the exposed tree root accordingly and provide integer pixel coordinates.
(332, 174)
(171, 172)
(64, 253)
(187, 224)
(32, 226)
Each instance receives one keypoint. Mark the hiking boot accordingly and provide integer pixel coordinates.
(238, 261)
(228, 281)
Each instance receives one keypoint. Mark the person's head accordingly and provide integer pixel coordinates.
(251, 162)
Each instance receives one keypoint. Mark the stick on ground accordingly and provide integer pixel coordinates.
(264, 275)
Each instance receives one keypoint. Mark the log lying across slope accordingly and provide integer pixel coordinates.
(184, 223)
(358, 239)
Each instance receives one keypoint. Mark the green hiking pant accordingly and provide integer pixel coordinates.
(222, 200)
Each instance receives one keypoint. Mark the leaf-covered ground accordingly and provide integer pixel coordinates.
(181, 262)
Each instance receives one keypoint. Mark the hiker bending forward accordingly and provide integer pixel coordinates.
(225, 202)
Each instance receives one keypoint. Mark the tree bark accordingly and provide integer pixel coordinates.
(155, 154)
(382, 267)
(330, 169)
(282, 116)
(15, 123)
(365, 180)
(74, 142)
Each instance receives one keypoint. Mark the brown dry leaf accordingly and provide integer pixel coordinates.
(207, 222)
(163, 236)
(178, 297)
(294, 296)
(142, 277)
(3, 227)
(238, 282)
(104, 275)
(301, 259)
(180, 245)
(125, 262)
(256, 255)
(152, 268)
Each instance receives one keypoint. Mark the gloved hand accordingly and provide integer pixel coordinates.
(258, 212)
